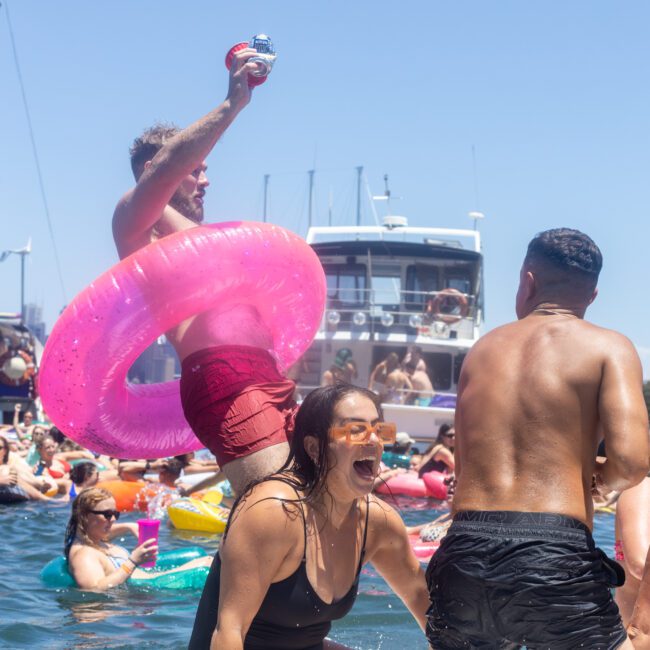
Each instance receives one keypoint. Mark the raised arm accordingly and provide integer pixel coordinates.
(393, 558)
(142, 207)
(623, 418)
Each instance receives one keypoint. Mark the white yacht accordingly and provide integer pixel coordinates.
(391, 287)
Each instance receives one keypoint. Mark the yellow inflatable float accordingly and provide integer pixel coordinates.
(195, 514)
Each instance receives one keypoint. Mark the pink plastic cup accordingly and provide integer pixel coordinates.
(148, 529)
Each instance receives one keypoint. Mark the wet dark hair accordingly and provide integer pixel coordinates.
(146, 146)
(82, 471)
(184, 459)
(566, 260)
(315, 417)
(443, 430)
(173, 466)
(57, 435)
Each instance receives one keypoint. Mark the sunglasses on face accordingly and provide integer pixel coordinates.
(449, 435)
(107, 514)
(357, 433)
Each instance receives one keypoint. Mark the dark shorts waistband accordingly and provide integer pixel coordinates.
(514, 524)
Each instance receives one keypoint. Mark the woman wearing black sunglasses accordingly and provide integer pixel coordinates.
(93, 560)
(290, 559)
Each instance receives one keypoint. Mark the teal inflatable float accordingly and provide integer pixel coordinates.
(55, 573)
(393, 460)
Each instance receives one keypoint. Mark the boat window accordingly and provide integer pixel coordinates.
(459, 280)
(439, 368)
(386, 290)
(420, 280)
(346, 284)
(458, 364)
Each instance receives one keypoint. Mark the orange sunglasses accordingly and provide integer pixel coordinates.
(357, 433)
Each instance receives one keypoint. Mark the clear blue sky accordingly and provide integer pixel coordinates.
(553, 95)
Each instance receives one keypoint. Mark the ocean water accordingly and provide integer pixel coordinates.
(36, 616)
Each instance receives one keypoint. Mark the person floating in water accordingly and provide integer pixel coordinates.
(519, 566)
(95, 562)
(233, 396)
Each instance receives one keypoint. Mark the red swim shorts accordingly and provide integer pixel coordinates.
(236, 401)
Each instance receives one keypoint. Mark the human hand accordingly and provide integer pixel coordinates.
(184, 490)
(239, 92)
(146, 552)
(45, 486)
(11, 478)
(17, 408)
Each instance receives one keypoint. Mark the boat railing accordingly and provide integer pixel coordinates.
(396, 311)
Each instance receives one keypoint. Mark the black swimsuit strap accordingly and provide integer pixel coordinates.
(304, 522)
(365, 535)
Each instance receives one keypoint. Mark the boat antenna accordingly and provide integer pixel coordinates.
(386, 196)
(477, 215)
(35, 152)
(266, 197)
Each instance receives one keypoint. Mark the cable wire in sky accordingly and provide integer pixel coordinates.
(35, 151)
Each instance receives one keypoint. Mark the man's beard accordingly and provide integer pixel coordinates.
(187, 207)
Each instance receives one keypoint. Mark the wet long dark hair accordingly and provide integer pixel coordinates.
(315, 417)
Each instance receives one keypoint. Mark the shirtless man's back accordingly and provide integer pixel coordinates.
(535, 398)
(224, 352)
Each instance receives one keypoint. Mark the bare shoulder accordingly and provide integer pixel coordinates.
(615, 347)
(121, 209)
(81, 554)
(382, 517)
(386, 530)
(493, 339)
(612, 337)
(269, 508)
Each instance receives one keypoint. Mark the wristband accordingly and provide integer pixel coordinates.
(126, 569)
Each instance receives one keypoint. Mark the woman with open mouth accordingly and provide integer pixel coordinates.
(291, 555)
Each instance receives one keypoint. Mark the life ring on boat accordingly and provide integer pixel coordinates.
(198, 515)
(56, 573)
(16, 367)
(83, 373)
(448, 306)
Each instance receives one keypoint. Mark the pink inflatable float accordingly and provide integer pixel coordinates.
(83, 371)
(410, 485)
(423, 551)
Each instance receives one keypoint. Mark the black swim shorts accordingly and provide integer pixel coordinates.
(505, 580)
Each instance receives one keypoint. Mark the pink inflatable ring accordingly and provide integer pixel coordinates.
(82, 378)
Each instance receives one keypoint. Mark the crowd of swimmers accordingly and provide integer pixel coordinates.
(38, 462)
